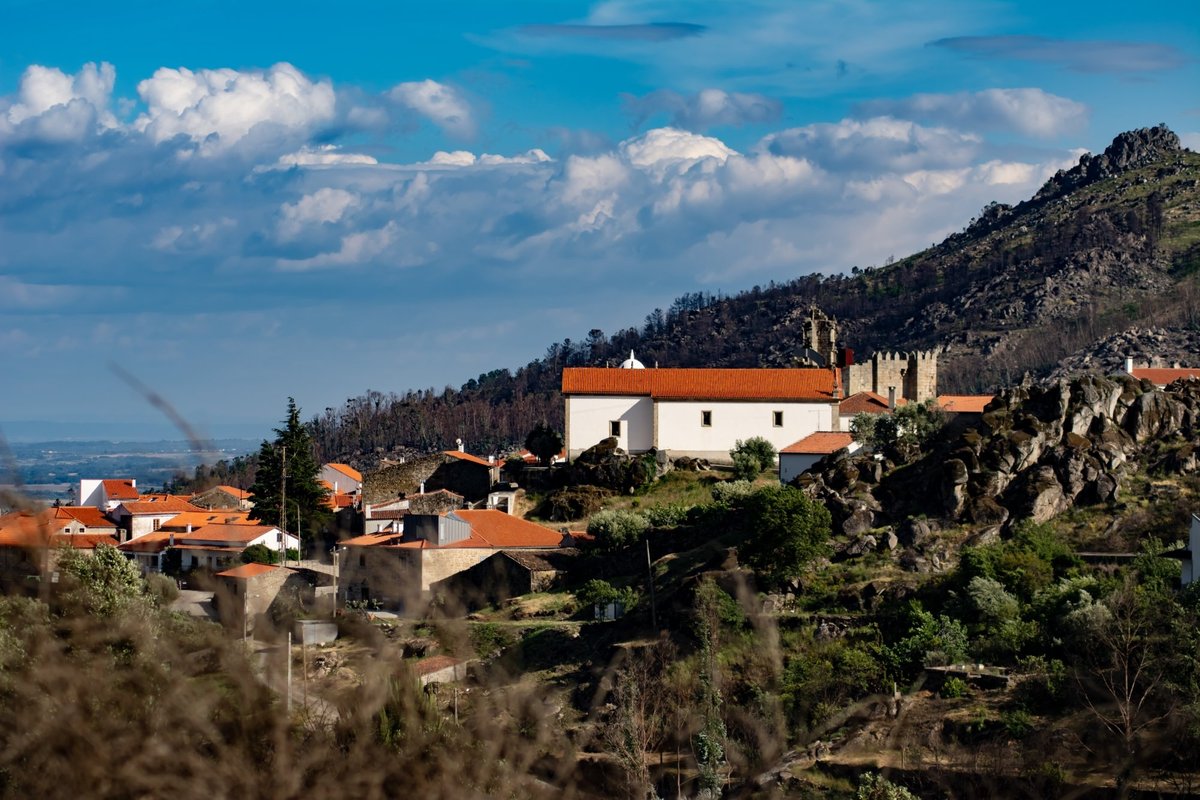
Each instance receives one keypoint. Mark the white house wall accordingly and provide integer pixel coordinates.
(681, 433)
(589, 417)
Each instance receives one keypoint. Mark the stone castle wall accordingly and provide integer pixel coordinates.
(914, 375)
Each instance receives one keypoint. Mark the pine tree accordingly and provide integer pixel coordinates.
(290, 456)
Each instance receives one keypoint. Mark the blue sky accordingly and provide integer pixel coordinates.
(238, 202)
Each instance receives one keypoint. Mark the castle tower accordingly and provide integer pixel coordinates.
(820, 336)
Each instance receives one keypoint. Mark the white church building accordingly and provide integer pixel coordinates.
(700, 413)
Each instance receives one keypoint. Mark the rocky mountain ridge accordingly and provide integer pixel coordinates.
(1036, 451)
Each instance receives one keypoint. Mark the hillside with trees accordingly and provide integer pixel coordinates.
(1109, 246)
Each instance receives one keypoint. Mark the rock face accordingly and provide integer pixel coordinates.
(1129, 150)
(1037, 451)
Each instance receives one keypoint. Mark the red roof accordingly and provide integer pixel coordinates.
(461, 456)
(180, 521)
(90, 516)
(245, 571)
(242, 534)
(867, 403)
(820, 443)
(168, 505)
(427, 666)
(22, 529)
(1161, 376)
(489, 528)
(233, 491)
(493, 528)
(964, 403)
(120, 489)
(370, 539)
(812, 385)
(347, 470)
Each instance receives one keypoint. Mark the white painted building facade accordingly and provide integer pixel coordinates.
(695, 412)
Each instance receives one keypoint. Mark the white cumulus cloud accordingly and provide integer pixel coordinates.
(323, 156)
(707, 108)
(1032, 112)
(322, 206)
(220, 107)
(53, 106)
(671, 149)
(442, 105)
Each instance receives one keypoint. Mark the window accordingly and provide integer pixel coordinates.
(156, 522)
(777, 419)
(705, 419)
(614, 428)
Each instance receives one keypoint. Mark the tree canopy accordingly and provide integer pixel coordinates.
(786, 529)
(287, 476)
(544, 442)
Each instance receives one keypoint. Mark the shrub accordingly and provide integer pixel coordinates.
(259, 554)
(667, 516)
(787, 529)
(873, 786)
(601, 592)
(757, 448)
(954, 688)
(745, 467)
(161, 589)
(617, 528)
(731, 493)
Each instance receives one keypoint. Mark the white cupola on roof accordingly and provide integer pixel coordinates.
(632, 363)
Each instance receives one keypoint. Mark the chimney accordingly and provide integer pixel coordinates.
(171, 538)
(1129, 365)
(421, 490)
(891, 398)
(189, 530)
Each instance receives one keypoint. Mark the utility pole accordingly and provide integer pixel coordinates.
(289, 675)
(335, 581)
(650, 576)
(283, 509)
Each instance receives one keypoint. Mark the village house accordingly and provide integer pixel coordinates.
(341, 478)
(398, 570)
(136, 518)
(1161, 376)
(107, 493)
(455, 470)
(224, 498)
(29, 541)
(799, 457)
(205, 540)
(700, 413)
(244, 594)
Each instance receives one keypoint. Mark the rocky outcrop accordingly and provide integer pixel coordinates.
(1129, 150)
(1037, 451)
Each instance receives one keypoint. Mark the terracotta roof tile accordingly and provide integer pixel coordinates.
(347, 470)
(90, 516)
(370, 540)
(867, 403)
(805, 385)
(120, 489)
(249, 571)
(198, 519)
(461, 456)
(964, 403)
(170, 505)
(499, 529)
(820, 443)
(23, 529)
(427, 666)
(233, 491)
(1161, 376)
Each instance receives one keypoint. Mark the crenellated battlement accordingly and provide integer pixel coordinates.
(913, 375)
